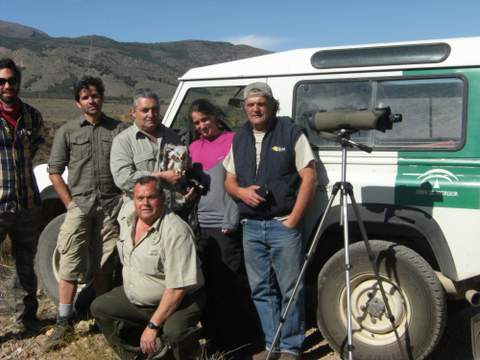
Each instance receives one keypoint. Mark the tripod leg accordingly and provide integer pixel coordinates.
(371, 257)
(308, 257)
(343, 199)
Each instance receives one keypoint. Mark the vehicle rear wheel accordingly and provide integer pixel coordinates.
(413, 291)
(47, 265)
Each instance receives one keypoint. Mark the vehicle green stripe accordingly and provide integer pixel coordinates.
(445, 178)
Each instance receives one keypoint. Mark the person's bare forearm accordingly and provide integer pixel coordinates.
(231, 185)
(170, 301)
(61, 188)
(305, 194)
(248, 195)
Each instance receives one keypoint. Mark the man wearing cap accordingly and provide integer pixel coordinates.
(159, 305)
(271, 173)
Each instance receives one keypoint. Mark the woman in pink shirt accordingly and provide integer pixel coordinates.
(229, 314)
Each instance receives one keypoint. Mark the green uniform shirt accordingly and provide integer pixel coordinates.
(165, 257)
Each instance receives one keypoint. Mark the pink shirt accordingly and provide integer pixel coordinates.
(210, 152)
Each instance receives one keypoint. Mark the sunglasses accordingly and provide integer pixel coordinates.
(12, 81)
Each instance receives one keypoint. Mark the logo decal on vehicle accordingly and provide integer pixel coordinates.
(438, 174)
(435, 177)
(454, 186)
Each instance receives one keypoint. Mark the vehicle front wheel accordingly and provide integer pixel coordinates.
(413, 291)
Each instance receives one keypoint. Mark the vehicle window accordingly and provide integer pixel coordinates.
(227, 98)
(432, 110)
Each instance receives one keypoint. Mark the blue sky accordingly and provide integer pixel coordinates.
(273, 25)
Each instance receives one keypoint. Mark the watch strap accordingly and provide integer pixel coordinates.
(152, 325)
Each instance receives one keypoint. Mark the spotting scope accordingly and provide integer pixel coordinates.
(380, 119)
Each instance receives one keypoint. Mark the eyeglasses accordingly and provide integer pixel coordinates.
(12, 81)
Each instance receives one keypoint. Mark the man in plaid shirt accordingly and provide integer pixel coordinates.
(20, 136)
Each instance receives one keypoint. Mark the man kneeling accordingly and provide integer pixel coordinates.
(159, 305)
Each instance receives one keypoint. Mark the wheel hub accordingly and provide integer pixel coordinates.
(375, 307)
(370, 318)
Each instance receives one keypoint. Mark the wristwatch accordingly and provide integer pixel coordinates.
(153, 326)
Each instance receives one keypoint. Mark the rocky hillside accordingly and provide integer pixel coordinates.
(50, 65)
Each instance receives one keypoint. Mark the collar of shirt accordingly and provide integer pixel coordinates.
(84, 122)
(158, 133)
(131, 221)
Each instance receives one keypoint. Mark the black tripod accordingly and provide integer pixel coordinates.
(346, 191)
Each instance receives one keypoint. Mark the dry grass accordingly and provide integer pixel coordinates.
(58, 111)
(5, 253)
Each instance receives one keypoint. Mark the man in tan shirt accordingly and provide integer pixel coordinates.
(159, 305)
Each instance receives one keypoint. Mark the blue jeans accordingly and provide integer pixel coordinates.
(273, 258)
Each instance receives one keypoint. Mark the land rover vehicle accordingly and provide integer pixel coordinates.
(418, 191)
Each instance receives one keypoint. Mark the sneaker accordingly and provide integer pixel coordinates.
(62, 334)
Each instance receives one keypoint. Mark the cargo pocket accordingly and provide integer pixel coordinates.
(65, 240)
(68, 230)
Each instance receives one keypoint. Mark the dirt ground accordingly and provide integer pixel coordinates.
(455, 344)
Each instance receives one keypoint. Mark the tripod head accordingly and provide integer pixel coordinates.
(342, 137)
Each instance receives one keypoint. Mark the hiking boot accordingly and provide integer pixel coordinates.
(62, 334)
(161, 350)
(128, 352)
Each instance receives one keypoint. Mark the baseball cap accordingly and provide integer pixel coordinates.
(257, 89)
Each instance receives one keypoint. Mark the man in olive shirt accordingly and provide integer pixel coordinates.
(139, 150)
(161, 296)
(89, 232)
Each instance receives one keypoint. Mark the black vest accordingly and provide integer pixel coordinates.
(276, 169)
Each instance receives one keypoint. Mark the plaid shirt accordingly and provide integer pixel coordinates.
(18, 188)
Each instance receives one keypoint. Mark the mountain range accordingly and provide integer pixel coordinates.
(50, 65)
